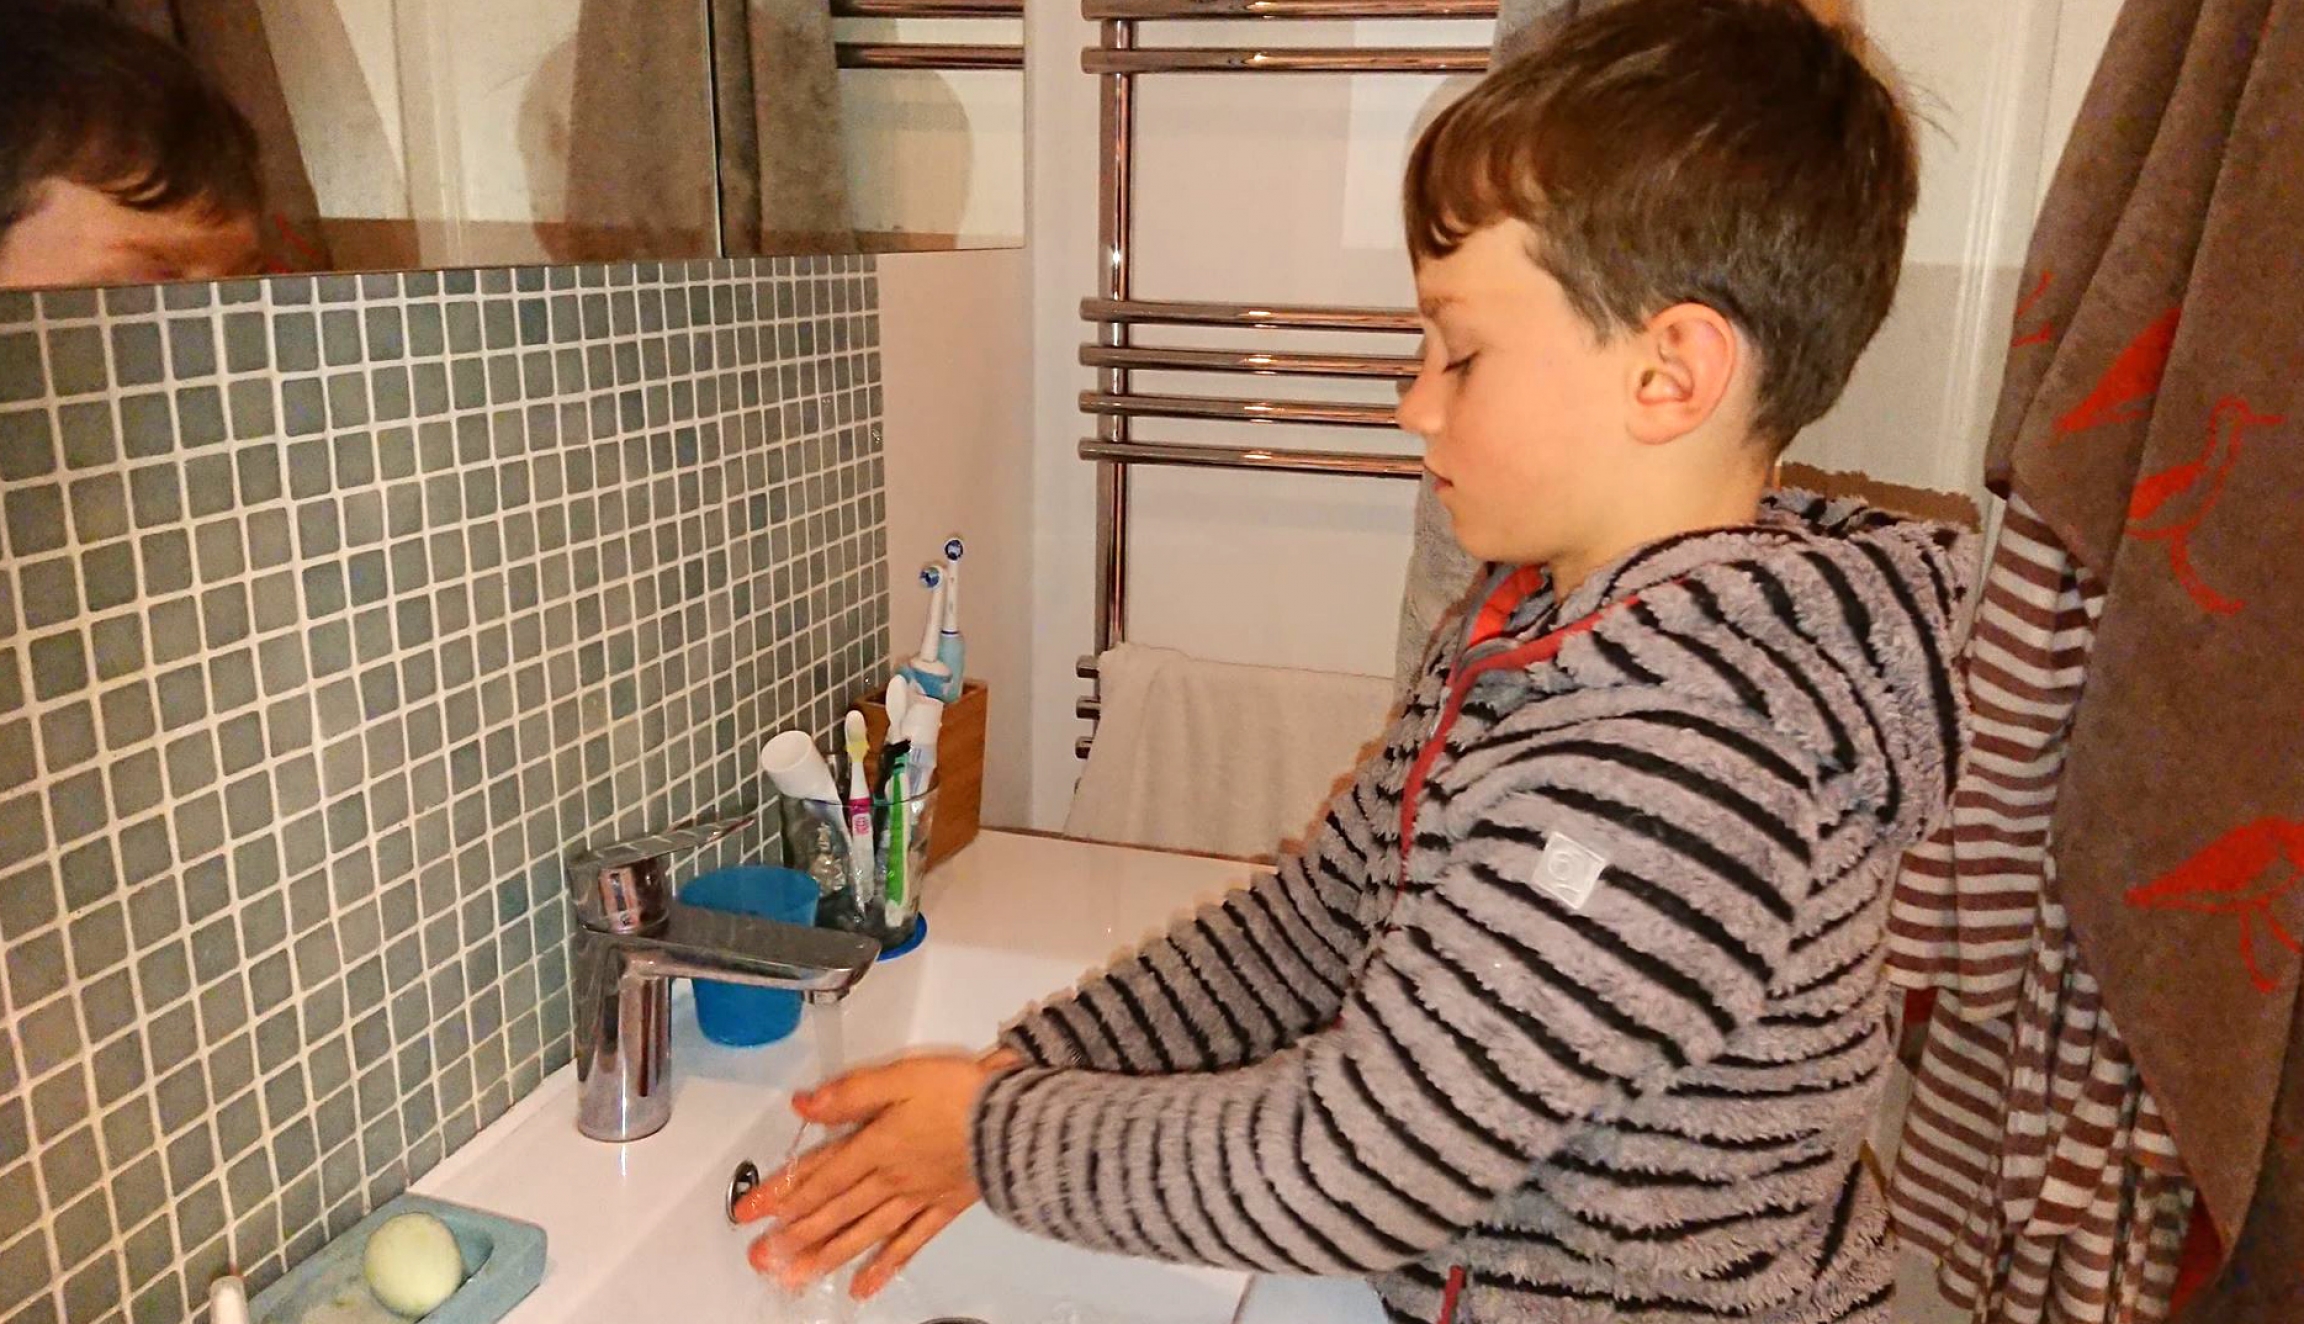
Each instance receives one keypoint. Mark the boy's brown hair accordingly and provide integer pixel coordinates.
(90, 98)
(1733, 153)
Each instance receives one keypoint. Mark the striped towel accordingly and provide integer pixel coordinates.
(2034, 1163)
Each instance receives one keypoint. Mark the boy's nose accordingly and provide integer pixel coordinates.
(1421, 410)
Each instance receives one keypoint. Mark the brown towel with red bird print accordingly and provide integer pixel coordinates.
(2152, 417)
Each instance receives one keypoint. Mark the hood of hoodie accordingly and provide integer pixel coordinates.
(1832, 621)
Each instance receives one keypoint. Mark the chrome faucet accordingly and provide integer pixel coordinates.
(632, 940)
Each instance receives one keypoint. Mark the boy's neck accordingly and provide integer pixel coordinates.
(1650, 519)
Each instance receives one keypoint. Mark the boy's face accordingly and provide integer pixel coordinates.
(1523, 409)
(76, 235)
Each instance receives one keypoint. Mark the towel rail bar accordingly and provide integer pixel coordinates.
(1203, 10)
(1239, 411)
(1262, 316)
(1267, 363)
(889, 55)
(928, 8)
(1287, 60)
(1183, 455)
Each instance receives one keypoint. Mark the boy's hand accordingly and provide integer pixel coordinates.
(899, 1179)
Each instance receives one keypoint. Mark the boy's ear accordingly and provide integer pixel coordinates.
(1683, 371)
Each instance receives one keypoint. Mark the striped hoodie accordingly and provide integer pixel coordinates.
(1604, 1040)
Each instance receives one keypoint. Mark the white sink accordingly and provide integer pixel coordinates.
(638, 1232)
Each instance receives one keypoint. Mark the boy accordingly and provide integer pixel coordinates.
(1570, 1010)
(119, 164)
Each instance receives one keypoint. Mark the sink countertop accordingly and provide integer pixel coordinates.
(1012, 917)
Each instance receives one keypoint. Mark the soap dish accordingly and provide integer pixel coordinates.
(503, 1262)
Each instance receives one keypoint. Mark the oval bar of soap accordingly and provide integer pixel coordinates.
(412, 1264)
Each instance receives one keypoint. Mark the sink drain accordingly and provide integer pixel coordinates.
(952, 1319)
(745, 1181)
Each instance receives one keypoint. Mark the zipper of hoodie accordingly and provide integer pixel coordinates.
(1541, 649)
(1520, 656)
(1453, 1295)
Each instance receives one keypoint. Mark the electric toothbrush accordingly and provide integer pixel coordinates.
(927, 670)
(951, 649)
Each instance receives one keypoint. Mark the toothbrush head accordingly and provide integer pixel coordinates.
(953, 551)
(930, 576)
(899, 700)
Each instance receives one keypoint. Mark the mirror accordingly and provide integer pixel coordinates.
(932, 117)
(152, 140)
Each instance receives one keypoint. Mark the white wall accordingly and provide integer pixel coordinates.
(955, 353)
(1283, 189)
(1977, 74)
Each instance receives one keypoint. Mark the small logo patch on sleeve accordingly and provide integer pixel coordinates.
(1570, 871)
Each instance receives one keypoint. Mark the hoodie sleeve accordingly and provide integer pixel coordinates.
(1237, 980)
(1497, 1012)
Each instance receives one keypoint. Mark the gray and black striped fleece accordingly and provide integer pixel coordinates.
(1647, 1108)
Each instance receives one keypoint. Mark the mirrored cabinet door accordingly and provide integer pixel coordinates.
(333, 135)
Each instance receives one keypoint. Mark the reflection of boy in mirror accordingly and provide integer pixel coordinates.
(119, 164)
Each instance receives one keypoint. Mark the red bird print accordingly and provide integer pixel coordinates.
(2168, 507)
(2131, 380)
(2245, 873)
(2046, 331)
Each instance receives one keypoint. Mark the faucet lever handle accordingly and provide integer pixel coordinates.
(621, 887)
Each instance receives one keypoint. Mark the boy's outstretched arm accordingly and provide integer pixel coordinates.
(1237, 980)
(1230, 984)
(1492, 1019)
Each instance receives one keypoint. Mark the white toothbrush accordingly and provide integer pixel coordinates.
(900, 692)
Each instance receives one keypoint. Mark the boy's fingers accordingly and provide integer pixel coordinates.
(900, 1250)
(762, 1257)
(755, 1204)
(797, 1240)
(873, 1227)
(769, 1198)
(823, 1170)
(851, 1098)
(860, 1094)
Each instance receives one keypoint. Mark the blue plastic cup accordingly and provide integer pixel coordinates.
(734, 1014)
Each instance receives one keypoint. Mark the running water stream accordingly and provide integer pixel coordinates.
(825, 1301)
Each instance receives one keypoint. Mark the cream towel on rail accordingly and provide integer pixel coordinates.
(1217, 756)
